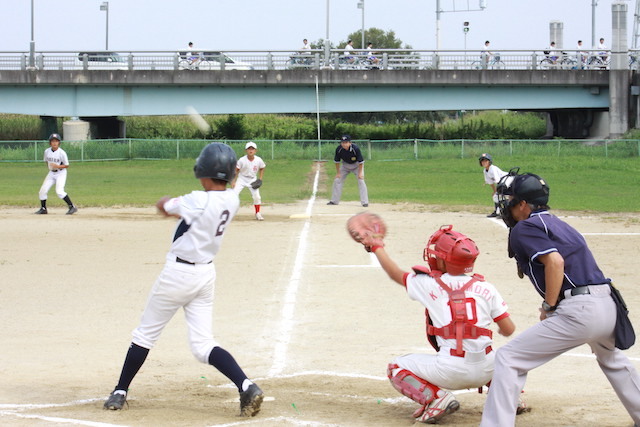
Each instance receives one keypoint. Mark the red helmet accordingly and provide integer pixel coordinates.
(457, 250)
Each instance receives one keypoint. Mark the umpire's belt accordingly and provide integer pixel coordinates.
(180, 260)
(579, 290)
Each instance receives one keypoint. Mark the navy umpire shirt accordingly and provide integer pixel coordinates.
(352, 155)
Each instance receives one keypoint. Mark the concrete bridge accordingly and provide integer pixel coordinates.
(580, 103)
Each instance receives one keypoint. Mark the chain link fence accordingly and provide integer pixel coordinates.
(389, 150)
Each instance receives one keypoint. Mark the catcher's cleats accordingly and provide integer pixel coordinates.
(72, 210)
(250, 401)
(42, 211)
(116, 400)
(442, 406)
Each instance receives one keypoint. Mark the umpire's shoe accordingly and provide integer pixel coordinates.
(72, 210)
(116, 400)
(250, 401)
(42, 211)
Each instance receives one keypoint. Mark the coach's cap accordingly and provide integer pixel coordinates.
(251, 144)
(345, 138)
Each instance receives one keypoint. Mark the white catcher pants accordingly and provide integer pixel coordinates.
(181, 285)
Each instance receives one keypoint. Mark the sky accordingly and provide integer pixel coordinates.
(158, 25)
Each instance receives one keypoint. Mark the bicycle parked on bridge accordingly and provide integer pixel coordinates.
(491, 63)
(565, 61)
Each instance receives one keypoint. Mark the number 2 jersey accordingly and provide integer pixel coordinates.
(204, 216)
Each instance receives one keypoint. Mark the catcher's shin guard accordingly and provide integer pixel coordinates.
(412, 386)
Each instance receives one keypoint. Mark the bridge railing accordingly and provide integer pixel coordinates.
(382, 59)
(377, 150)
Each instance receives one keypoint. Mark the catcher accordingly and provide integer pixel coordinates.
(249, 173)
(459, 311)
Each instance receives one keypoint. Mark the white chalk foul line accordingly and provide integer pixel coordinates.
(286, 323)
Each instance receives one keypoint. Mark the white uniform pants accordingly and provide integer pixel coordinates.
(578, 320)
(243, 182)
(345, 170)
(450, 372)
(59, 179)
(181, 285)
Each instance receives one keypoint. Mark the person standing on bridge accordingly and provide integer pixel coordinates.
(58, 163)
(348, 159)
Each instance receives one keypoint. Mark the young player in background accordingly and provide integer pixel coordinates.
(249, 173)
(492, 175)
(58, 163)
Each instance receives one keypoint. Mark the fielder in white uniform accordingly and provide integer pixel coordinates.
(492, 176)
(188, 277)
(58, 163)
(249, 173)
(464, 360)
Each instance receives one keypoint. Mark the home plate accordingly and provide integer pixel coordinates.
(299, 216)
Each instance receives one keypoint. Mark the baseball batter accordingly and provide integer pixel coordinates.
(492, 175)
(249, 173)
(58, 163)
(577, 307)
(188, 277)
(459, 311)
(348, 159)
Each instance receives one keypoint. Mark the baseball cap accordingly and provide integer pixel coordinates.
(345, 138)
(250, 144)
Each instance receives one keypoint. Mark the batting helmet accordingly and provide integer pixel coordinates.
(485, 156)
(55, 136)
(457, 251)
(217, 161)
(514, 188)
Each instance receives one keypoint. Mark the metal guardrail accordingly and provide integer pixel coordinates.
(335, 59)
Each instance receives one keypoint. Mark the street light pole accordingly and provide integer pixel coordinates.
(327, 44)
(105, 7)
(32, 44)
(361, 6)
(594, 3)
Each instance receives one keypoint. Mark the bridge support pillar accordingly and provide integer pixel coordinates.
(619, 75)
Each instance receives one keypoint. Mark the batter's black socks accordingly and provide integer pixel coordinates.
(43, 203)
(132, 364)
(224, 362)
(68, 200)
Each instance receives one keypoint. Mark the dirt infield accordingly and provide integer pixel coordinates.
(304, 310)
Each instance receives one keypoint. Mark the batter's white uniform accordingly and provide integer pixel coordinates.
(190, 283)
(484, 304)
(55, 176)
(492, 176)
(247, 173)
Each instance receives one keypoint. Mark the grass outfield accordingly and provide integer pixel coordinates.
(577, 183)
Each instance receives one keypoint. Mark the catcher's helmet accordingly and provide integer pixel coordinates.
(485, 156)
(457, 251)
(217, 161)
(514, 188)
(55, 136)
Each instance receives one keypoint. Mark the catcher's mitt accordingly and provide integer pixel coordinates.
(367, 228)
(256, 184)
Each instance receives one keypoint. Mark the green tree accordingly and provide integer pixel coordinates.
(379, 38)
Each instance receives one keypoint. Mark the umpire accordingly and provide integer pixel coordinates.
(348, 159)
(577, 307)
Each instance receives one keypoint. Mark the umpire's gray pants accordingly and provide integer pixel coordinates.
(581, 319)
(346, 169)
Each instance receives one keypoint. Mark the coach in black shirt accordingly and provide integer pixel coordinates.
(348, 159)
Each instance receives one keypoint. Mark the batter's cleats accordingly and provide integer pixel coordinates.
(522, 407)
(250, 401)
(259, 216)
(72, 210)
(365, 205)
(492, 215)
(331, 203)
(42, 211)
(116, 400)
(439, 408)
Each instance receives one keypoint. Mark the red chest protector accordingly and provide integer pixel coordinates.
(461, 327)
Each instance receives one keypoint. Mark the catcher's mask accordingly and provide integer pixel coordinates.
(514, 188)
(457, 250)
(216, 161)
